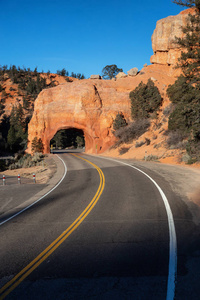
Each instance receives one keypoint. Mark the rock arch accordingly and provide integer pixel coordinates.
(89, 105)
(89, 139)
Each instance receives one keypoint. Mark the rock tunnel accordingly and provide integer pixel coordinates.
(86, 105)
(68, 139)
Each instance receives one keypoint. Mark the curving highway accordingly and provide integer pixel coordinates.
(107, 231)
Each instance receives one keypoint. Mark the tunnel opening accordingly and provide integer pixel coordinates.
(70, 138)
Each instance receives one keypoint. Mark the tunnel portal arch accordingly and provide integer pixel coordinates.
(68, 138)
(91, 141)
(81, 104)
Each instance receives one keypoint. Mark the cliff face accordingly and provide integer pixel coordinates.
(82, 104)
(166, 51)
(92, 104)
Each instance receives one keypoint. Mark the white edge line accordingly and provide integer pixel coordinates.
(21, 211)
(172, 271)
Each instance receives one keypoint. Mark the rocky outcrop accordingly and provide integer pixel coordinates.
(121, 75)
(95, 76)
(133, 72)
(166, 51)
(87, 105)
(91, 105)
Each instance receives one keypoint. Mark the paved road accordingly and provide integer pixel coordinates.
(117, 249)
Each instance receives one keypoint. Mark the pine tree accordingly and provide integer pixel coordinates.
(188, 3)
(110, 71)
(37, 145)
(189, 60)
(185, 92)
(119, 121)
(17, 134)
(11, 138)
(145, 100)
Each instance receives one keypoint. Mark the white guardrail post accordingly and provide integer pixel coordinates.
(4, 180)
(34, 179)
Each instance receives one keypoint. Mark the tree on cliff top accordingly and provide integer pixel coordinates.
(110, 71)
(188, 3)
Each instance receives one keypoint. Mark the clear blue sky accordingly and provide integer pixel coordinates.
(82, 36)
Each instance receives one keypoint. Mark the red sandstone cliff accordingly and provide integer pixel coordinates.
(166, 51)
(91, 105)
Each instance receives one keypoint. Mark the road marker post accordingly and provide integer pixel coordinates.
(4, 180)
(34, 180)
(145, 157)
(19, 179)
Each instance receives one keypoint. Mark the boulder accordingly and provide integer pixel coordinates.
(121, 75)
(133, 72)
(95, 76)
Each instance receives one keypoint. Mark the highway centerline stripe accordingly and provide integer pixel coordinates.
(13, 283)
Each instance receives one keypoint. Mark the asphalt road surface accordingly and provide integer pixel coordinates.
(103, 233)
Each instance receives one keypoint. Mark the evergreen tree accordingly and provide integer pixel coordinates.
(145, 100)
(188, 3)
(185, 92)
(80, 142)
(119, 121)
(17, 134)
(110, 71)
(189, 60)
(11, 138)
(37, 145)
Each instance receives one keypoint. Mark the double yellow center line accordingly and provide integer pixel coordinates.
(13, 283)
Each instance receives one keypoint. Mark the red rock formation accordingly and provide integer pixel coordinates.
(85, 105)
(166, 51)
(91, 105)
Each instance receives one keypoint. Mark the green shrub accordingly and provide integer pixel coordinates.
(37, 145)
(175, 139)
(132, 131)
(139, 144)
(2, 165)
(145, 100)
(193, 150)
(123, 150)
(27, 161)
(119, 121)
(147, 141)
(151, 158)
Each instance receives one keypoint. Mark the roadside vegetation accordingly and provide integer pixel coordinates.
(184, 120)
(25, 85)
(145, 103)
(65, 138)
(183, 114)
